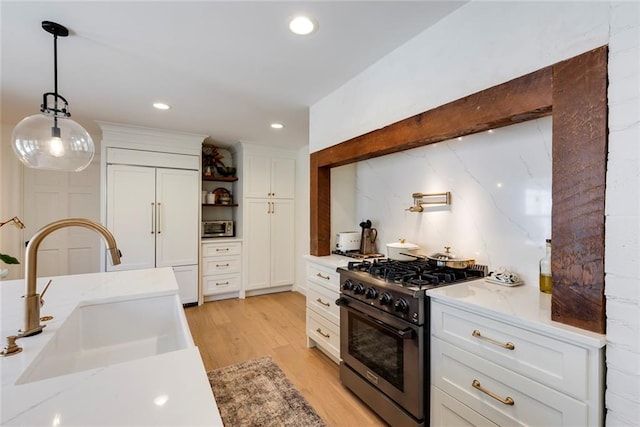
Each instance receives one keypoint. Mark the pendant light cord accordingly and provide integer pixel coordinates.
(55, 80)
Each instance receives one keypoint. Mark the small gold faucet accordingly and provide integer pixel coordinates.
(32, 300)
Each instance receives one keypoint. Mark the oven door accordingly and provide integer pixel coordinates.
(385, 351)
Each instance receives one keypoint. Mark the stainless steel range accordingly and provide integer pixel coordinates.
(384, 333)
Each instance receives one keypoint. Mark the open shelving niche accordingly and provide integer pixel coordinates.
(220, 211)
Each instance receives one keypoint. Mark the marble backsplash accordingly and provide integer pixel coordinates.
(500, 184)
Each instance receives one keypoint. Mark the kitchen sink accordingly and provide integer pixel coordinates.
(99, 335)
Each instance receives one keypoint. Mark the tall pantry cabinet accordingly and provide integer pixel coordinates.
(268, 218)
(152, 200)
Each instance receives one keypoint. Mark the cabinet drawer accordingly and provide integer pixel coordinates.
(455, 370)
(221, 248)
(323, 276)
(220, 265)
(549, 361)
(322, 301)
(449, 412)
(220, 283)
(323, 332)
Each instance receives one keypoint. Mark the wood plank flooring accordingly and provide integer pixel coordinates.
(235, 330)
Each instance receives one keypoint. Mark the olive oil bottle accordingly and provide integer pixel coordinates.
(546, 281)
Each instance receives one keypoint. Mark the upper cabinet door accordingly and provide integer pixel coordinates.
(257, 176)
(269, 176)
(131, 214)
(283, 178)
(177, 204)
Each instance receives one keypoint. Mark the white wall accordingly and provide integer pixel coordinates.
(302, 219)
(622, 210)
(486, 43)
(11, 189)
(478, 46)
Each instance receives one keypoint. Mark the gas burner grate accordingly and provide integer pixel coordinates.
(418, 273)
(359, 265)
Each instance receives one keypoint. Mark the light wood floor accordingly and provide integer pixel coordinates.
(232, 331)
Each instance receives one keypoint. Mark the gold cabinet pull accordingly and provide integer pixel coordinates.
(221, 283)
(153, 221)
(506, 400)
(326, 304)
(322, 333)
(159, 208)
(222, 249)
(222, 265)
(323, 276)
(508, 345)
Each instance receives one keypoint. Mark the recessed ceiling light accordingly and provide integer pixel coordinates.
(277, 125)
(302, 25)
(161, 106)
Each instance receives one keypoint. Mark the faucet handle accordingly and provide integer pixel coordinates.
(11, 348)
(43, 291)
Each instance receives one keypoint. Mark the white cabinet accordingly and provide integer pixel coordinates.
(448, 412)
(269, 230)
(267, 219)
(221, 267)
(485, 370)
(269, 176)
(150, 200)
(323, 315)
(153, 214)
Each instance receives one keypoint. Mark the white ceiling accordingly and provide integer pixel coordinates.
(227, 68)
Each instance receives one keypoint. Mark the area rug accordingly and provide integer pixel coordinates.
(257, 393)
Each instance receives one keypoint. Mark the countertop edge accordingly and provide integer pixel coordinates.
(547, 327)
(331, 261)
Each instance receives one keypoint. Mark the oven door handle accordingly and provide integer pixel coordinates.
(406, 334)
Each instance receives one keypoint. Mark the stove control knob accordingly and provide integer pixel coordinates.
(386, 299)
(347, 285)
(401, 306)
(358, 289)
(371, 293)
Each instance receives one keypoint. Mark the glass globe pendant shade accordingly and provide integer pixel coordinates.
(43, 141)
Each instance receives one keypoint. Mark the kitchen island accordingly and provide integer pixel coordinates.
(167, 387)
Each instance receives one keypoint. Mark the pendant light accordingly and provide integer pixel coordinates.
(51, 140)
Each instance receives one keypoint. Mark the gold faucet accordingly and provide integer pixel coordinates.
(32, 300)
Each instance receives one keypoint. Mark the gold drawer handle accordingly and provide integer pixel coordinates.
(507, 345)
(326, 304)
(221, 283)
(506, 400)
(222, 249)
(322, 276)
(222, 265)
(322, 333)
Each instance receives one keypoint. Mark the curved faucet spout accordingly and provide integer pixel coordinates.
(32, 324)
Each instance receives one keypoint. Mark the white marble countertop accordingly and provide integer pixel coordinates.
(331, 261)
(164, 389)
(523, 306)
(219, 240)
